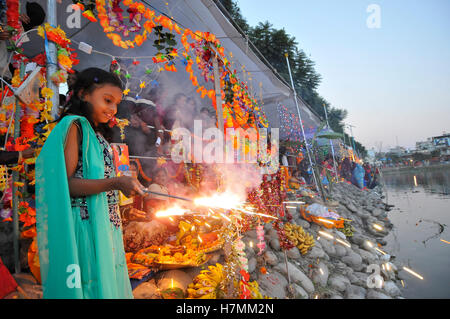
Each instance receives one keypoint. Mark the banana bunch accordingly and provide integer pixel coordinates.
(206, 284)
(347, 230)
(297, 235)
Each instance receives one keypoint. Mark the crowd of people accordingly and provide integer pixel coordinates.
(301, 174)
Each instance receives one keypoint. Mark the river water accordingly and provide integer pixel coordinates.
(421, 219)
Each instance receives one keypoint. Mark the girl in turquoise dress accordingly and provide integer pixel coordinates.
(78, 222)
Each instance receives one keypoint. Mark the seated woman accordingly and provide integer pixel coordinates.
(296, 180)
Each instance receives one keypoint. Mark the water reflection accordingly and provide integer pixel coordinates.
(432, 180)
(421, 219)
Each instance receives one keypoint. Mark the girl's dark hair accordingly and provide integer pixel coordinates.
(89, 80)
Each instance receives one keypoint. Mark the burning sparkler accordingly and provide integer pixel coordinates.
(173, 211)
(413, 273)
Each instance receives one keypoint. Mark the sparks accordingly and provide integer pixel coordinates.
(325, 221)
(225, 216)
(377, 227)
(413, 273)
(326, 234)
(444, 241)
(321, 271)
(173, 211)
(258, 214)
(207, 225)
(376, 248)
(403, 283)
(200, 239)
(370, 244)
(343, 242)
(224, 200)
(293, 202)
(415, 181)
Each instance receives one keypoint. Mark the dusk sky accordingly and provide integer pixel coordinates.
(393, 80)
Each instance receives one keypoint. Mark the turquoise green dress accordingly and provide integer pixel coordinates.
(80, 241)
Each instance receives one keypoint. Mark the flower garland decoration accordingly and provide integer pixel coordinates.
(120, 123)
(65, 55)
(112, 22)
(260, 236)
(240, 109)
(12, 15)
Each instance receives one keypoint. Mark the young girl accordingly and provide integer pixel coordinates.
(78, 222)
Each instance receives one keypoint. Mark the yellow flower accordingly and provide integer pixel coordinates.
(47, 93)
(142, 85)
(125, 92)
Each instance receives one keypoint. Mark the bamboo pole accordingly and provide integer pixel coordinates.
(331, 142)
(301, 124)
(52, 63)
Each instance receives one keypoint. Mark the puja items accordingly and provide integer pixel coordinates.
(169, 257)
(321, 215)
(122, 165)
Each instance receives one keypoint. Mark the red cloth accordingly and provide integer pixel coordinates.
(7, 282)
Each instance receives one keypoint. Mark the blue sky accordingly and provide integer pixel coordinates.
(393, 80)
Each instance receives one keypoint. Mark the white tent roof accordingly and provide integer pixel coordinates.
(202, 15)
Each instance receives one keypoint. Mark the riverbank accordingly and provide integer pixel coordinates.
(388, 170)
(329, 270)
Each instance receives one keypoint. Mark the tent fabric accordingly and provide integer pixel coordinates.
(202, 15)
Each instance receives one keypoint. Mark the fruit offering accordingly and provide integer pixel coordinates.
(207, 284)
(297, 235)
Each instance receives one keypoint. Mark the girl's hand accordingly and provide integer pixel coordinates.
(5, 35)
(129, 186)
(136, 214)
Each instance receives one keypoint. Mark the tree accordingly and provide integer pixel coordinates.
(273, 44)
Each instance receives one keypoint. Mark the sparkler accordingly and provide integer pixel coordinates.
(413, 273)
(293, 202)
(166, 195)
